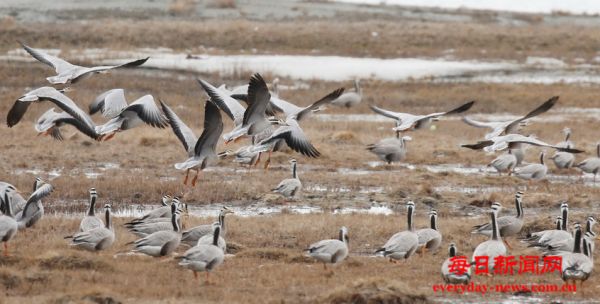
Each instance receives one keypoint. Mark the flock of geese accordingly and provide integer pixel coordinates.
(272, 123)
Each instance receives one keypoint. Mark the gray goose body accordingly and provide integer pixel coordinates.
(494, 246)
(403, 244)
(554, 241)
(34, 209)
(415, 122)
(290, 187)
(90, 220)
(209, 240)
(504, 163)
(147, 228)
(160, 243)
(332, 251)
(350, 98)
(164, 211)
(204, 257)
(191, 236)
(577, 265)
(451, 277)
(98, 238)
(533, 171)
(507, 225)
(8, 225)
(564, 160)
(17, 201)
(391, 149)
(592, 164)
(430, 238)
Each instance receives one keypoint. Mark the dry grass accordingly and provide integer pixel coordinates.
(182, 7)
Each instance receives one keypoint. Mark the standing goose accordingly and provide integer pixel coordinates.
(563, 160)
(98, 238)
(70, 73)
(142, 110)
(451, 277)
(290, 187)
(191, 236)
(209, 240)
(534, 172)
(8, 225)
(592, 164)
(576, 266)
(204, 257)
(535, 236)
(90, 221)
(160, 243)
(494, 246)
(404, 243)
(82, 121)
(589, 234)
(504, 163)
(430, 238)
(391, 149)
(567, 142)
(51, 122)
(17, 201)
(350, 98)
(507, 225)
(34, 210)
(416, 122)
(200, 151)
(163, 211)
(330, 251)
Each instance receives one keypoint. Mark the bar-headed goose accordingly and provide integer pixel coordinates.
(91, 221)
(201, 151)
(50, 123)
(533, 171)
(110, 103)
(391, 149)
(147, 228)
(494, 246)
(160, 243)
(577, 266)
(17, 200)
(504, 163)
(83, 122)
(592, 164)
(293, 135)
(416, 122)
(350, 98)
(567, 142)
(231, 107)
(143, 110)
(209, 240)
(191, 236)
(430, 238)
(70, 73)
(34, 209)
(163, 211)
(513, 141)
(332, 251)
(507, 127)
(451, 277)
(204, 257)
(555, 241)
(534, 236)
(8, 225)
(563, 160)
(98, 238)
(507, 225)
(404, 243)
(290, 187)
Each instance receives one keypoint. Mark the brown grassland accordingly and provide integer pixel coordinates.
(268, 265)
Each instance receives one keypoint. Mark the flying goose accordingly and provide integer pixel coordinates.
(142, 110)
(91, 221)
(494, 246)
(17, 201)
(533, 171)
(507, 225)
(209, 240)
(451, 277)
(98, 238)
(504, 163)
(500, 128)
(231, 107)
(592, 164)
(110, 103)
(293, 135)
(163, 211)
(160, 243)
(391, 149)
(512, 141)
(191, 236)
(416, 122)
(576, 266)
(34, 210)
(404, 243)
(290, 187)
(70, 73)
(331, 251)
(350, 98)
(82, 121)
(430, 238)
(8, 225)
(204, 257)
(555, 241)
(51, 121)
(200, 151)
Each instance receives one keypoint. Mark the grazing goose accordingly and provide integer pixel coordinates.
(142, 110)
(70, 73)
(577, 266)
(91, 221)
(592, 164)
(350, 98)
(34, 210)
(163, 211)
(201, 151)
(98, 238)
(504, 163)
(430, 238)
(404, 243)
(500, 128)
(161, 243)
(513, 141)
(50, 123)
(534, 172)
(554, 241)
(209, 240)
(191, 236)
(204, 257)
(330, 251)
(8, 225)
(391, 149)
(147, 228)
(507, 225)
(494, 246)
(110, 103)
(451, 277)
(416, 122)
(290, 187)
(82, 121)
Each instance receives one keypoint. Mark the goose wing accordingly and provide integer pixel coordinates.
(258, 99)
(295, 138)
(213, 127)
(319, 103)
(463, 108)
(58, 64)
(145, 108)
(535, 112)
(480, 124)
(98, 69)
(37, 195)
(230, 106)
(185, 135)
(110, 103)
